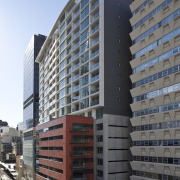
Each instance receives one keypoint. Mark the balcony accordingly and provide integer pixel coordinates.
(53, 85)
(94, 78)
(94, 91)
(80, 153)
(76, 24)
(75, 77)
(75, 46)
(94, 66)
(51, 103)
(79, 166)
(95, 53)
(82, 129)
(75, 67)
(94, 42)
(75, 88)
(75, 35)
(94, 17)
(75, 14)
(75, 98)
(94, 5)
(75, 56)
(70, 11)
(95, 29)
(52, 111)
(75, 109)
(68, 70)
(95, 102)
(80, 141)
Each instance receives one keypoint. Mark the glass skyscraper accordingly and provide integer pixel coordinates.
(31, 81)
(31, 100)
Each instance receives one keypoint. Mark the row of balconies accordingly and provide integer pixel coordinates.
(156, 151)
(160, 134)
(152, 21)
(159, 168)
(156, 84)
(156, 101)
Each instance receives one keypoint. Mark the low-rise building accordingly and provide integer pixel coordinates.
(65, 148)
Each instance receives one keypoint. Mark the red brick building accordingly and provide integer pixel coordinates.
(65, 149)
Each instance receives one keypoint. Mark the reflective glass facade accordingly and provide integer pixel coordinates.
(31, 101)
(31, 81)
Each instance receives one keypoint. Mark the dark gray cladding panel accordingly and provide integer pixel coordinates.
(117, 57)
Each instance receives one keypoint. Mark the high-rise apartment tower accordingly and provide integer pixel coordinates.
(84, 70)
(156, 89)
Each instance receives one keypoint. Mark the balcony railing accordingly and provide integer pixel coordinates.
(94, 17)
(75, 98)
(50, 96)
(95, 102)
(75, 56)
(75, 88)
(94, 5)
(75, 35)
(94, 66)
(94, 78)
(54, 101)
(70, 11)
(95, 91)
(75, 14)
(75, 109)
(80, 141)
(95, 53)
(94, 41)
(52, 111)
(75, 67)
(75, 77)
(75, 46)
(94, 29)
(76, 24)
(80, 153)
(79, 166)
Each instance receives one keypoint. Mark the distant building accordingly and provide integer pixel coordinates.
(3, 123)
(20, 126)
(17, 145)
(31, 82)
(31, 98)
(65, 149)
(7, 137)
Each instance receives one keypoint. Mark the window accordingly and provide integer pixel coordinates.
(90, 114)
(83, 3)
(99, 173)
(85, 12)
(85, 23)
(99, 113)
(99, 150)
(84, 35)
(99, 161)
(99, 138)
(99, 127)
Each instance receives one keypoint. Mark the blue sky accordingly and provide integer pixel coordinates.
(19, 20)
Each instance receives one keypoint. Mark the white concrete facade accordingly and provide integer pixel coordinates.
(156, 89)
